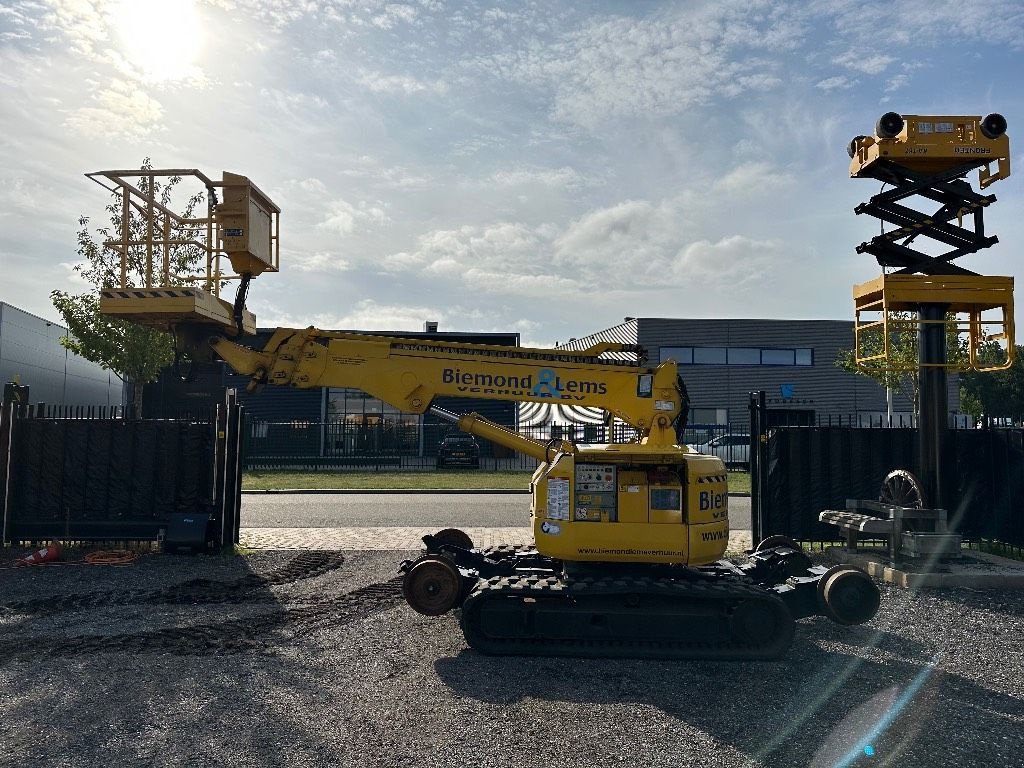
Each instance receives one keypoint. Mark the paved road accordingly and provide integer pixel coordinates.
(430, 510)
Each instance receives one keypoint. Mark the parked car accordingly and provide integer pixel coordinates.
(458, 451)
(733, 450)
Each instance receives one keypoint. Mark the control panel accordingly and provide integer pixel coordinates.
(595, 493)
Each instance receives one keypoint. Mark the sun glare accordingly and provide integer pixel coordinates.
(160, 37)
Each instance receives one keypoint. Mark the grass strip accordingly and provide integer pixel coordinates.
(275, 480)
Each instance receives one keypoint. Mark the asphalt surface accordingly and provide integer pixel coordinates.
(326, 510)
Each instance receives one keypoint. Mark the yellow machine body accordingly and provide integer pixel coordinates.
(932, 144)
(651, 501)
(630, 503)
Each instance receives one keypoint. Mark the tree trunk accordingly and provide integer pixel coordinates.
(137, 388)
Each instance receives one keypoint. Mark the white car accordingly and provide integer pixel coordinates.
(733, 450)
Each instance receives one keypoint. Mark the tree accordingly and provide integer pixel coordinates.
(135, 353)
(994, 393)
(899, 371)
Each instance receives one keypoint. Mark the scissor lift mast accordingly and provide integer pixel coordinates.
(928, 157)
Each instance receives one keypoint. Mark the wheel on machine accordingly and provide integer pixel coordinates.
(794, 563)
(847, 595)
(454, 537)
(889, 125)
(993, 126)
(777, 541)
(433, 586)
(851, 148)
(763, 624)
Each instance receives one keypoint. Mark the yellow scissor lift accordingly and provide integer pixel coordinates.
(241, 224)
(929, 156)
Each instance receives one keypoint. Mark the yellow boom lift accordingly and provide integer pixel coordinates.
(629, 538)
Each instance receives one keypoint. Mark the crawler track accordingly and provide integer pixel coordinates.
(626, 616)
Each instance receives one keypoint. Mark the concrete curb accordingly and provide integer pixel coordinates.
(980, 570)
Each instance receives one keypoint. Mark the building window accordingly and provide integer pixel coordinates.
(743, 356)
(709, 356)
(682, 355)
(359, 424)
(778, 357)
(770, 356)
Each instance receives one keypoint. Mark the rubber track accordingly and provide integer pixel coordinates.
(307, 565)
(612, 590)
(238, 635)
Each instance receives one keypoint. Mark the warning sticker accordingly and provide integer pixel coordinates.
(558, 498)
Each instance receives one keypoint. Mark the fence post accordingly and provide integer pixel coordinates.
(6, 430)
(230, 500)
(755, 464)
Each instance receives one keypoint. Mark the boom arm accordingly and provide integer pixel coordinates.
(410, 373)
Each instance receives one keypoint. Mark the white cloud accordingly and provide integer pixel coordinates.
(628, 246)
(564, 177)
(896, 82)
(394, 14)
(866, 61)
(366, 315)
(378, 82)
(735, 261)
(319, 261)
(660, 65)
(343, 218)
(837, 83)
(120, 110)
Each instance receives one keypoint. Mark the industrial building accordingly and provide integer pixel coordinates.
(792, 361)
(31, 354)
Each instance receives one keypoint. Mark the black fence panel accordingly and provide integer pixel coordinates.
(337, 445)
(809, 469)
(814, 468)
(100, 478)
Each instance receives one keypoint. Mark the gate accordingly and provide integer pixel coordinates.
(81, 474)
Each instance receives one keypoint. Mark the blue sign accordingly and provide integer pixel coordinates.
(786, 390)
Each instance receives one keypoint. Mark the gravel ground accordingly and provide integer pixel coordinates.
(269, 660)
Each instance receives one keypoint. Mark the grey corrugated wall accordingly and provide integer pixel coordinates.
(822, 387)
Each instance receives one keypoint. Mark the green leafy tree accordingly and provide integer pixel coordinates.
(899, 372)
(994, 393)
(135, 353)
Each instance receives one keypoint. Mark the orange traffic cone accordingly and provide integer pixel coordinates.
(47, 554)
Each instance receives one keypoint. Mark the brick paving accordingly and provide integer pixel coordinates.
(398, 538)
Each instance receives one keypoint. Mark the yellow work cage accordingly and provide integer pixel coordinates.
(978, 320)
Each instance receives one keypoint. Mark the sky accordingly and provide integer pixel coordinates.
(541, 167)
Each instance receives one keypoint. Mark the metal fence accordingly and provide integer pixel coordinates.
(81, 474)
(798, 471)
(340, 445)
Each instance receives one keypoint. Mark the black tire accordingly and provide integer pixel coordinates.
(762, 623)
(851, 148)
(993, 126)
(454, 537)
(847, 595)
(433, 586)
(889, 125)
(777, 541)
